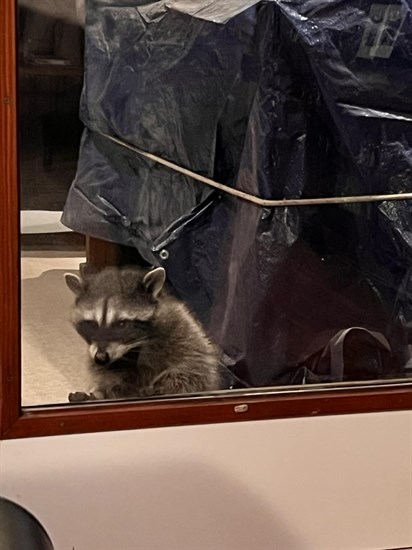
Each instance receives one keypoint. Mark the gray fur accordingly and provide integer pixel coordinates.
(152, 343)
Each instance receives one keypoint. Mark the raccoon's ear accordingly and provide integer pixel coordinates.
(74, 283)
(154, 281)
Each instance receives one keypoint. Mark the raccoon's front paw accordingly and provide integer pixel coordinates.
(80, 396)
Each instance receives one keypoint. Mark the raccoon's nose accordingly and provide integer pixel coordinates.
(102, 358)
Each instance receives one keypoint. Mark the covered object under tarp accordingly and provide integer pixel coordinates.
(280, 99)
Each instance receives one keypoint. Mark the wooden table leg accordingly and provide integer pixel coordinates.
(102, 253)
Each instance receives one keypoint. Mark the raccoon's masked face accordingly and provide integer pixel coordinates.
(114, 310)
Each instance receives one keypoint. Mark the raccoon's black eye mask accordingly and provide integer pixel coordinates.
(119, 330)
(87, 328)
(131, 323)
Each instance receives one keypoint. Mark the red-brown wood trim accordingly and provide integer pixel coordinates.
(9, 224)
(189, 411)
(15, 423)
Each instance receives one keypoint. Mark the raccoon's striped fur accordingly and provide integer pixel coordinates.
(142, 340)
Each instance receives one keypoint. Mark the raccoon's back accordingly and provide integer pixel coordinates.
(184, 358)
(188, 371)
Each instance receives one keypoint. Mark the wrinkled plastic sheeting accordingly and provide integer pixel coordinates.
(281, 99)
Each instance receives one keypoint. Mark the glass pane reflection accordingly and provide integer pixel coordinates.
(291, 295)
(50, 82)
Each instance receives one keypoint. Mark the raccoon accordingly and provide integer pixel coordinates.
(142, 340)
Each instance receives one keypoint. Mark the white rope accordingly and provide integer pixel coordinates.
(258, 200)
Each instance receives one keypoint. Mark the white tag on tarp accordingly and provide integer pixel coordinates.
(382, 30)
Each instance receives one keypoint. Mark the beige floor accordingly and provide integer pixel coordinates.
(53, 355)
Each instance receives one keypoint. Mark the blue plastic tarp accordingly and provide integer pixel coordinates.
(279, 99)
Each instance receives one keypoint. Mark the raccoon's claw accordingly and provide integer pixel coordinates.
(79, 396)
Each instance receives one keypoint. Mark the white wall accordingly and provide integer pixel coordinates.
(317, 483)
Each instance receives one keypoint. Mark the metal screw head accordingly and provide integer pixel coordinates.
(241, 408)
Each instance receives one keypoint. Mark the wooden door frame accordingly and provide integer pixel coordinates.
(9, 223)
(42, 421)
